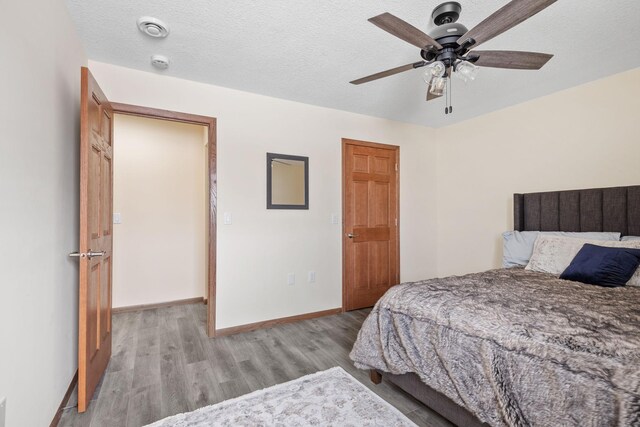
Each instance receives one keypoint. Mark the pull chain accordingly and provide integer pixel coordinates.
(448, 109)
(446, 96)
(450, 95)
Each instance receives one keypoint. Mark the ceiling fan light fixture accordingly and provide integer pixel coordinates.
(433, 71)
(466, 71)
(438, 86)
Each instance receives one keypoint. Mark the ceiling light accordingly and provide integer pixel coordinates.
(438, 86)
(153, 27)
(161, 62)
(466, 71)
(433, 70)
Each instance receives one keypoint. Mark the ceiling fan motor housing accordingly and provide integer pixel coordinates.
(446, 13)
(447, 32)
(447, 35)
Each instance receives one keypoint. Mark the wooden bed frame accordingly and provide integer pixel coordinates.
(615, 209)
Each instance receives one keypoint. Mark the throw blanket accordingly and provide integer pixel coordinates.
(514, 347)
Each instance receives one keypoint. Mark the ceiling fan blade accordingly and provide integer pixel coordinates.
(512, 14)
(511, 59)
(404, 30)
(387, 73)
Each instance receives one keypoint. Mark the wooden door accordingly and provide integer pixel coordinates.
(370, 228)
(96, 201)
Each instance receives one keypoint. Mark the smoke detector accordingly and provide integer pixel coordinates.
(161, 62)
(153, 27)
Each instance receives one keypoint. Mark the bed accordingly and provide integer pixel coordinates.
(511, 347)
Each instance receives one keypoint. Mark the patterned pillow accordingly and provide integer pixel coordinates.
(517, 246)
(553, 254)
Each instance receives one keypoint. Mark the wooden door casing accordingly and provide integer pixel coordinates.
(96, 231)
(370, 212)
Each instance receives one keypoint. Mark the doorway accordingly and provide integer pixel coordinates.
(209, 190)
(370, 238)
(159, 232)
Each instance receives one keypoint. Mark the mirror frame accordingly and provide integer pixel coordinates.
(305, 160)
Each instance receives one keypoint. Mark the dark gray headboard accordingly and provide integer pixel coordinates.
(614, 209)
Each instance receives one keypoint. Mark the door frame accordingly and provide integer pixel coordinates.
(396, 149)
(212, 202)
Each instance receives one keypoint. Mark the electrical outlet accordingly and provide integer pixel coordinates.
(3, 411)
(312, 277)
(117, 218)
(291, 279)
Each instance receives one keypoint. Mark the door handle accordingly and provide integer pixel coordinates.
(351, 235)
(89, 254)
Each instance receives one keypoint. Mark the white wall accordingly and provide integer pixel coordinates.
(159, 187)
(584, 137)
(262, 246)
(39, 162)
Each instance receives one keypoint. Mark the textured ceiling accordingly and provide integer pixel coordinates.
(308, 51)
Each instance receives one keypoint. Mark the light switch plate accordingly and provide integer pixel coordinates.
(291, 279)
(312, 277)
(3, 411)
(334, 218)
(228, 218)
(117, 218)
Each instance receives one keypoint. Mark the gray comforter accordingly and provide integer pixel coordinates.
(514, 347)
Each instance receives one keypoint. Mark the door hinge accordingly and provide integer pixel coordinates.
(396, 167)
(396, 222)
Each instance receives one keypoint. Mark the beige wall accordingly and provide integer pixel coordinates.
(456, 182)
(262, 246)
(41, 58)
(159, 190)
(584, 137)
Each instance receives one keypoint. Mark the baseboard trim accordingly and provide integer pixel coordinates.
(273, 322)
(157, 305)
(65, 400)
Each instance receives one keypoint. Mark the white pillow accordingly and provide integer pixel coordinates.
(630, 238)
(553, 254)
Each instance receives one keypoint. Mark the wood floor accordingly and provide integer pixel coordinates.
(163, 363)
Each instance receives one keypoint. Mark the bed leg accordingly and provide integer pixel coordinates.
(376, 377)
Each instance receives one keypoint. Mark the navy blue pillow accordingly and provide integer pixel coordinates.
(599, 265)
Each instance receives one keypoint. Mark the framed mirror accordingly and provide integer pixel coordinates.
(287, 181)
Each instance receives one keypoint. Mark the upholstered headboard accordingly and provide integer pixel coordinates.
(615, 209)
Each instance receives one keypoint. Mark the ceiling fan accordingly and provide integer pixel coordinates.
(448, 49)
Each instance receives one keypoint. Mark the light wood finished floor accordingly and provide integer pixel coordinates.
(163, 364)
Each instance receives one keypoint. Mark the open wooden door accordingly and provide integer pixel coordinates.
(96, 201)
(370, 229)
